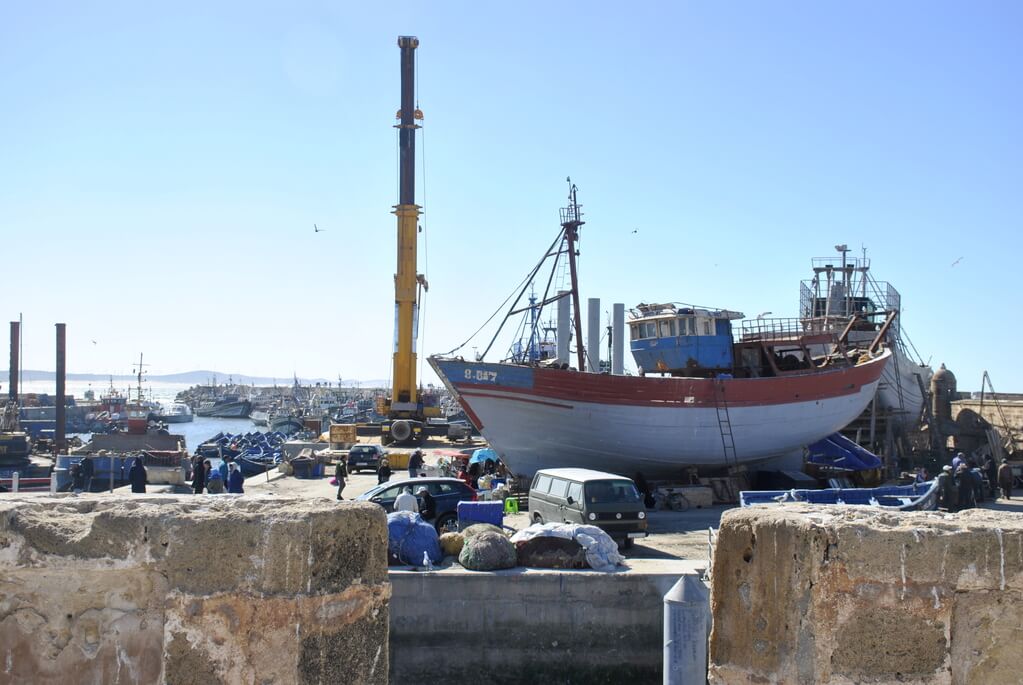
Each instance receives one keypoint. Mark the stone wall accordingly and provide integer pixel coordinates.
(1012, 410)
(804, 594)
(532, 625)
(210, 589)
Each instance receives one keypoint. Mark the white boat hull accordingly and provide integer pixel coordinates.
(611, 423)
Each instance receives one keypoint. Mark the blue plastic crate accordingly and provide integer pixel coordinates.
(480, 512)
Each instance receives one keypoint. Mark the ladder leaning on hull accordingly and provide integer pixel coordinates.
(724, 424)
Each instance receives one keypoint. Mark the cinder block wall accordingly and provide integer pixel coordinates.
(530, 626)
(805, 594)
(209, 589)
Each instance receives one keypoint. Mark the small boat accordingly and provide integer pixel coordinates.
(287, 424)
(260, 417)
(914, 497)
(179, 412)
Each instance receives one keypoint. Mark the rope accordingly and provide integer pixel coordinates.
(520, 288)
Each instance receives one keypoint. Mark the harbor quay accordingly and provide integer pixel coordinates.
(171, 587)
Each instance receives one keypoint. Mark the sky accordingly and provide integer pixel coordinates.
(162, 166)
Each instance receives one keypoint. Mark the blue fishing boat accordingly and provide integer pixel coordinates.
(914, 497)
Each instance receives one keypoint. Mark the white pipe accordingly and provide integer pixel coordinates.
(618, 342)
(593, 335)
(564, 326)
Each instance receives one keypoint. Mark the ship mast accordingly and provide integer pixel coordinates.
(570, 222)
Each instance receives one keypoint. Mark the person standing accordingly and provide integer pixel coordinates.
(415, 462)
(946, 489)
(965, 488)
(340, 474)
(214, 481)
(427, 505)
(1005, 479)
(383, 471)
(223, 470)
(137, 476)
(235, 479)
(406, 501)
(88, 471)
(77, 482)
(991, 471)
(199, 476)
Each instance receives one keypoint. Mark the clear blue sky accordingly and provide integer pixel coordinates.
(162, 167)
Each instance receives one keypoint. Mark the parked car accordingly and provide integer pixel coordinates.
(365, 457)
(595, 498)
(447, 493)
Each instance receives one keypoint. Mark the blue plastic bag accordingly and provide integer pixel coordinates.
(409, 537)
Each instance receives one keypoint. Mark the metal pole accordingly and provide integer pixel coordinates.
(564, 327)
(60, 434)
(12, 386)
(593, 335)
(618, 334)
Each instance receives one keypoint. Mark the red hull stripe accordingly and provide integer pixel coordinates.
(473, 393)
(572, 386)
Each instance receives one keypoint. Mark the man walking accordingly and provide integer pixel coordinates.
(340, 474)
(415, 462)
(1005, 479)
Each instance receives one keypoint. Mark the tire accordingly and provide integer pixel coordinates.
(401, 431)
(627, 543)
(537, 518)
(446, 523)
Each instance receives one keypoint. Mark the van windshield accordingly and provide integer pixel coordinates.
(610, 491)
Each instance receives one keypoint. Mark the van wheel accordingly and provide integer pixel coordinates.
(627, 543)
(537, 518)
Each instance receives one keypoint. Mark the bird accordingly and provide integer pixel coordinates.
(957, 261)
(635, 230)
(93, 342)
(317, 229)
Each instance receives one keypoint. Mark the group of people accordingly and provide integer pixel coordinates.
(421, 503)
(470, 475)
(216, 480)
(961, 483)
(81, 475)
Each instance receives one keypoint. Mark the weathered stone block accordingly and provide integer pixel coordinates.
(805, 594)
(192, 590)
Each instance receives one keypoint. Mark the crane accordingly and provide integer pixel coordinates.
(405, 409)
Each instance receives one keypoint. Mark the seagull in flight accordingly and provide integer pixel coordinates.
(635, 230)
(317, 229)
(957, 261)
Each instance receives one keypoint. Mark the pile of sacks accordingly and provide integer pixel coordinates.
(485, 547)
(567, 545)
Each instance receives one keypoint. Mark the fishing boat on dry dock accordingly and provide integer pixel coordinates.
(720, 398)
(843, 287)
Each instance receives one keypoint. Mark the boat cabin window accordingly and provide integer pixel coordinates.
(685, 326)
(706, 326)
(668, 329)
(634, 331)
(649, 330)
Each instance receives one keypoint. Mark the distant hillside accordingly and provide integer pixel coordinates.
(188, 378)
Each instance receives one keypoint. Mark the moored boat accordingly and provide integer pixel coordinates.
(178, 412)
(226, 407)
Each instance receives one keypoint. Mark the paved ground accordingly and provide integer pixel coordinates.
(673, 535)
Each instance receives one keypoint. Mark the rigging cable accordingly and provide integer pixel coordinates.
(523, 283)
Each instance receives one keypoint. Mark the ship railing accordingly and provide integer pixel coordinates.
(772, 329)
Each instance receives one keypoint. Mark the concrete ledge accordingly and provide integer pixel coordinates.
(805, 594)
(161, 588)
(531, 625)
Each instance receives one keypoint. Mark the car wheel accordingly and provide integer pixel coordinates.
(448, 523)
(537, 518)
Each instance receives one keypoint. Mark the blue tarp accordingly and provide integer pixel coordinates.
(409, 537)
(483, 454)
(838, 451)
